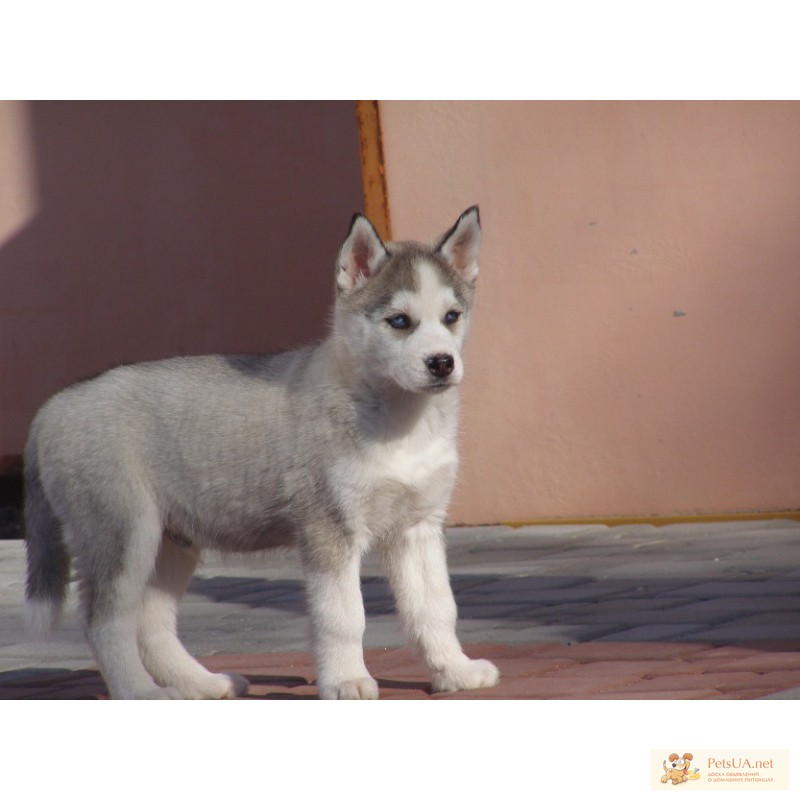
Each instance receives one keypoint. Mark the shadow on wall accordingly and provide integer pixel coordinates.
(167, 228)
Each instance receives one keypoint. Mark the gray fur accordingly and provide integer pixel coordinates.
(137, 471)
(48, 560)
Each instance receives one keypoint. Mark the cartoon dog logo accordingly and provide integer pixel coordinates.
(676, 769)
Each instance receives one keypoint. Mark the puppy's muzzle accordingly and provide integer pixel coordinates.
(440, 365)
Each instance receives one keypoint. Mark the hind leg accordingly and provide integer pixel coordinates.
(161, 651)
(114, 563)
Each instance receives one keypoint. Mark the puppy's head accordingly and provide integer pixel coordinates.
(402, 309)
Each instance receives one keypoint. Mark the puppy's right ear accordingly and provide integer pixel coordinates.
(361, 257)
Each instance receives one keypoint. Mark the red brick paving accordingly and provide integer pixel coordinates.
(592, 670)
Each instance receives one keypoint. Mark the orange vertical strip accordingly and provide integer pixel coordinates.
(373, 170)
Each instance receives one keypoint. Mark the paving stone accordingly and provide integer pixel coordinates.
(764, 683)
(637, 651)
(784, 694)
(586, 590)
(625, 613)
(746, 660)
(727, 682)
(657, 632)
(737, 588)
(639, 693)
(741, 630)
(706, 612)
(633, 669)
(518, 586)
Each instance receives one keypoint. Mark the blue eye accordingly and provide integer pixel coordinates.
(451, 317)
(400, 321)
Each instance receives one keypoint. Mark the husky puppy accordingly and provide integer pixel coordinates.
(336, 447)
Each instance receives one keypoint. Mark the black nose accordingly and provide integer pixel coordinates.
(440, 365)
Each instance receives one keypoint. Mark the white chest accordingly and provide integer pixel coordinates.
(397, 483)
(412, 461)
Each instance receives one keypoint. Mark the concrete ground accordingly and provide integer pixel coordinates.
(689, 611)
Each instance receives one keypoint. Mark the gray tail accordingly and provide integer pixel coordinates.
(48, 560)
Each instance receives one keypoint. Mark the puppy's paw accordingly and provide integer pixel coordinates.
(212, 686)
(364, 688)
(216, 686)
(239, 685)
(464, 674)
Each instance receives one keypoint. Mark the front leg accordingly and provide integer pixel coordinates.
(417, 567)
(333, 587)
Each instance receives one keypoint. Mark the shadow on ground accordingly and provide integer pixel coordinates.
(713, 609)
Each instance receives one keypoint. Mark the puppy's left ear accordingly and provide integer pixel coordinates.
(460, 245)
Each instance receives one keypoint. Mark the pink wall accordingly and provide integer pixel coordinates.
(637, 336)
(131, 231)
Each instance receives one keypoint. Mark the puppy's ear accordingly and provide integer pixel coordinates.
(361, 257)
(688, 757)
(673, 756)
(460, 245)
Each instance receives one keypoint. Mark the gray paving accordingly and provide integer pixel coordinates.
(699, 582)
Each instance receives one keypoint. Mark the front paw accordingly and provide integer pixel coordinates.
(465, 674)
(365, 688)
